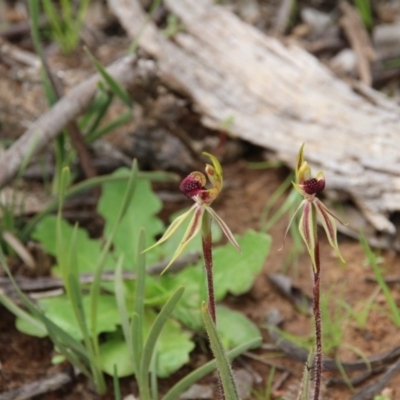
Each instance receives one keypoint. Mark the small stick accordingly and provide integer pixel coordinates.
(370, 391)
(359, 41)
(41, 386)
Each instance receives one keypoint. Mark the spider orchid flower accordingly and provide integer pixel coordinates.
(193, 186)
(313, 208)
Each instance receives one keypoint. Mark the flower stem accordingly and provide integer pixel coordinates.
(208, 263)
(317, 321)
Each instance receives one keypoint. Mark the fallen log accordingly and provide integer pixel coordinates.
(278, 96)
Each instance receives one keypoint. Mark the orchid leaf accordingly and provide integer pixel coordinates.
(227, 379)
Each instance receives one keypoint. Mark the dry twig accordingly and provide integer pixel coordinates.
(359, 41)
(129, 72)
(41, 386)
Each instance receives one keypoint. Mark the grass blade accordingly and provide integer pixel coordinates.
(120, 297)
(117, 388)
(154, 333)
(223, 363)
(138, 319)
(119, 121)
(304, 393)
(116, 88)
(395, 314)
(19, 312)
(95, 287)
(206, 369)
(64, 342)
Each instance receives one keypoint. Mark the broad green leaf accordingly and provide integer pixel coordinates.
(188, 310)
(141, 213)
(115, 352)
(23, 325)
(235, 272)
(59, 310)
(173, 348)
(88, 250)
(234, 328)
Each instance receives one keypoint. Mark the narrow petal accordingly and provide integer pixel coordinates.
(328, 222)
(173, 227)
(214, 173)
(291, 220)
(224, 228)
(308, 229)
(330, 212)
(303, 171)
(300, 158)
(191, 231)
(298, 188)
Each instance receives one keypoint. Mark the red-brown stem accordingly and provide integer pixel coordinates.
(208, 263)
(317, 321)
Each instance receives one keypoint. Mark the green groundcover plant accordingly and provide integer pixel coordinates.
(175, 342)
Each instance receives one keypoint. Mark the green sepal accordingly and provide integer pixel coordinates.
(308, 230)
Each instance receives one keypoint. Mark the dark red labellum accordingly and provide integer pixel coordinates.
(313, 186)
(191, 187)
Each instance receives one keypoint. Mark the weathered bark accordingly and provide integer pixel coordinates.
(279, 96)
